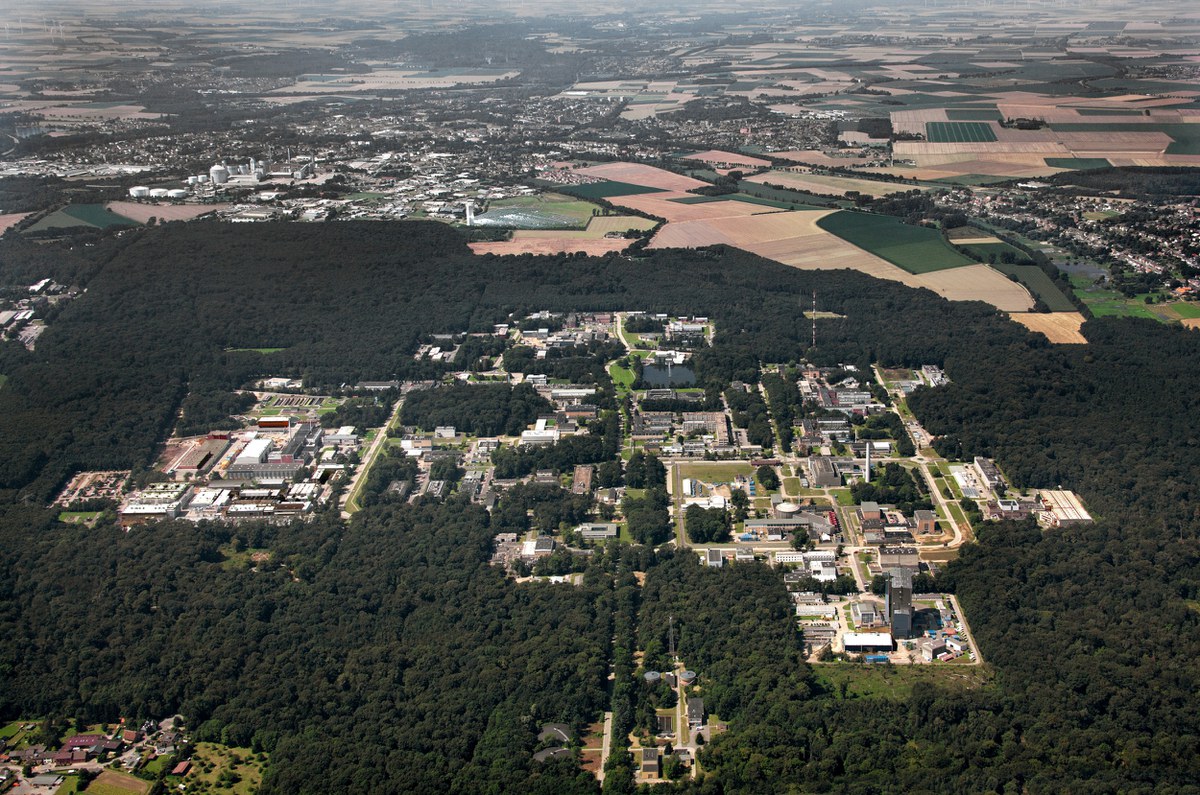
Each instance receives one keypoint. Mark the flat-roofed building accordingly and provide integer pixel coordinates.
(1062, 508)
(857, 642)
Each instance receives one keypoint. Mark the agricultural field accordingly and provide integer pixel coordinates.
(1040, 285)
(1059, 327)
(1078, 163)
(825, 184)
(93, 215)
(557, 244)
(607, 189)
(10, 220)
(916, 249)
(718, 158)
(646, 176)
(978, 283)
(142, 213)
(959, 132)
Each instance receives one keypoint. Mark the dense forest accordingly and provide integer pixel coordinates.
(386, 655)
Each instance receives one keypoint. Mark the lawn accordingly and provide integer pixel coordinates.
(155, 766)
(716, 473)
(69, 786)
(894, 681)
(110, 783)
(622, 376)
(10, 730)
(916, 249)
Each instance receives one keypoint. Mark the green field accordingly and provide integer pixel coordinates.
(70, 786)
(990, 252)
(792, 198)
(94, 215)
(959, 132)
(1186, 310)
(623, 377)
(1040, 285)
(1110, 303)
(606, 189)
(916, 249)
(742, 197)
(716, 473)
(1078, 163)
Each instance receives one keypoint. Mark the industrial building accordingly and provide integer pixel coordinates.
(860, 642)
(1061, 509)
(898, 605)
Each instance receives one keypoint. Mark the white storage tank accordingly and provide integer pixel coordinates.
(158, 193)
(193, 180)
(177, 193)
(219, 174)
(202, 178)
(139, 192)
(786, 510)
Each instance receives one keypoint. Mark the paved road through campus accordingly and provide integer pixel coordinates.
(367, 460)
(605, 745)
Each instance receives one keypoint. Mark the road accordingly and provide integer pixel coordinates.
(605, 745)
(359, 477)
(966, 627)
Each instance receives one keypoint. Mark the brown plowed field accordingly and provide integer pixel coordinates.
(1058, 327)
(638, 174)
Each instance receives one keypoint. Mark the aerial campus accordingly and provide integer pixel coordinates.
(597, 399)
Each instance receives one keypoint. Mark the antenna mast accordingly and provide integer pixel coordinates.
(814, 319)
(671, 637)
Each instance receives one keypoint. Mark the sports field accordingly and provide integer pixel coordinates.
(959, 132)
(916, 249)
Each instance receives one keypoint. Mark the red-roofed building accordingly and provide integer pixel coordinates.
(182, 768)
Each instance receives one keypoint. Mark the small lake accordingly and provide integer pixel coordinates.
(659, 375)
